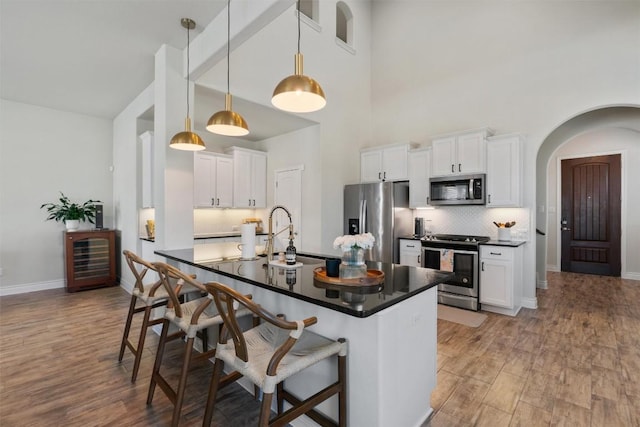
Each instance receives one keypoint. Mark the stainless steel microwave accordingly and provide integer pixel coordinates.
(458, 190)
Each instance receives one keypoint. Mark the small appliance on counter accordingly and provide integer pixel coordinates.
(418, 230)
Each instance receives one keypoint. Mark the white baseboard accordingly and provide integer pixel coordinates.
(126, 286)
(529, 303)
(551, 267)
(31, 287)
(631, 276)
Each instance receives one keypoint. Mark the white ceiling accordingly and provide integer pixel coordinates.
(95, 56)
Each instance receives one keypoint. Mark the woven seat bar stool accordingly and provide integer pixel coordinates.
(151, 296)
(190, 318)
(268, 354)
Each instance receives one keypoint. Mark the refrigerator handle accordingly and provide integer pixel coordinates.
(363, 215)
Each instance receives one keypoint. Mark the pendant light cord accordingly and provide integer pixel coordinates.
(298, 26)
(228, 41)
(188, 67)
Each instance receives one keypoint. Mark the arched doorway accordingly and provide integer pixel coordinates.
(602, 130)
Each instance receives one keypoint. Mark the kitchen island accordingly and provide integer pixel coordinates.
(390, 328)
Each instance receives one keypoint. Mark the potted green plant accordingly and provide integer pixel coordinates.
(71, 213)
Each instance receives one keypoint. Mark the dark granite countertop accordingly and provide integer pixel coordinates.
(511, 243)
(401, 282)
(222, 235)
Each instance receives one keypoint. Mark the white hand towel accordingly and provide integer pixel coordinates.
(446, 260)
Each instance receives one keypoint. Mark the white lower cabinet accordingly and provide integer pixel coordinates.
(410, 252)
(501, 279)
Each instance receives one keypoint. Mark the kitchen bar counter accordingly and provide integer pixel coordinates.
(391, 332)
(401, 282)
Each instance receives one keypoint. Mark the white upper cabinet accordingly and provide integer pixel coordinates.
(249, 178)
(213, 175)
(146, 168)
(504, 171)
(388, 163)
(458, 154)
(419, 166)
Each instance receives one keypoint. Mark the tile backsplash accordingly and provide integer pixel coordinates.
(476, 220)
(207, 221)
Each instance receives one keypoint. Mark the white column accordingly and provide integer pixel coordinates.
(173, 169)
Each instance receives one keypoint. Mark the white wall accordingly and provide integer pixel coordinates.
(265, 59)
(598, 142)
(512, 66)
(46, 151)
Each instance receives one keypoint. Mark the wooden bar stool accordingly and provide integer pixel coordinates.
(190, 318)
(151, 296)
(270, 353)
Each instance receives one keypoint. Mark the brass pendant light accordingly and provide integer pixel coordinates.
(187, 140)
(298, 93)
(227, 122)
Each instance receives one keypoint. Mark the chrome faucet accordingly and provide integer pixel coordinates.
(269, 247)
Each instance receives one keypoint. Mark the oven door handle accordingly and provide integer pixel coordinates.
(455, 251)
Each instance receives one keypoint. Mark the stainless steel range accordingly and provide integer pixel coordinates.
(459, 254)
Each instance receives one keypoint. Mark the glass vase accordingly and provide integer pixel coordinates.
(353, 265)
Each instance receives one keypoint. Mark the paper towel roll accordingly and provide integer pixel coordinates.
(248, 240)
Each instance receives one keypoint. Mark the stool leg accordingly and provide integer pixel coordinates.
(140, 348)
(265, 409)
(158, 362)
(342, 394)
(280, 396)
(127, 327)
(218, 366)
(182, 385)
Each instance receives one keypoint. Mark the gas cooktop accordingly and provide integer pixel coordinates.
(457, 238)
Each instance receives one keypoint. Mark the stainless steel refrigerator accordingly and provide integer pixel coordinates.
(382, 209)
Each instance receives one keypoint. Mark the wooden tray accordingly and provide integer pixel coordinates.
(373, 278)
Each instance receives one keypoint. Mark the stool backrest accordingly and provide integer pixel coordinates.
(139, 268)
(227, 301)
(169, 274)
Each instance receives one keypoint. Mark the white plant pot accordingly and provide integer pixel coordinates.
(72, 224)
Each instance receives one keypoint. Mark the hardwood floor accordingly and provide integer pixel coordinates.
(59, 367)
(573, 362)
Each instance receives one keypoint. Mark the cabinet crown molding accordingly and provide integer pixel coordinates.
(486, 130)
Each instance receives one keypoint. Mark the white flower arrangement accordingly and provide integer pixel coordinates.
(354, 241)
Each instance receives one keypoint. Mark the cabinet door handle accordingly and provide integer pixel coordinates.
(213, 202)
(482, 265)
(489, 196)
(217, 202)
(453, 168)
(384, 176)
(459, 167)
(411, 246)
(254, 202)
(496, 253)
(379, 175)
(419, 262)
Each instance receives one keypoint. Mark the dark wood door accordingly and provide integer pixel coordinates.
(590, 216)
